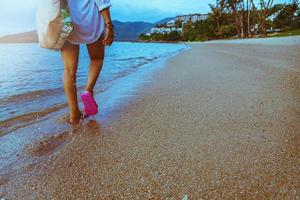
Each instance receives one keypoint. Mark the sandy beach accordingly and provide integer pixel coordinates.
(220, 120)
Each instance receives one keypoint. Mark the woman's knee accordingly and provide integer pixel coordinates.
(70, 70)
(96, 63)
(70, 54)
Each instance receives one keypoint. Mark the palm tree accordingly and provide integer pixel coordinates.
(263, 13)
(242, 13)
(236, 7)
(217, 12)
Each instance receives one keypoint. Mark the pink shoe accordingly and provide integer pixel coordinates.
(90, 105)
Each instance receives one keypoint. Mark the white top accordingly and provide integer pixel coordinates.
(87, 20)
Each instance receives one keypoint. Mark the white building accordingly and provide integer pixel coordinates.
(199, 17)
(191, 18)
(171, 23)
(183, 18)
(165, 30)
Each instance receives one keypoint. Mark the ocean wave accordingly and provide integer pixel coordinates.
(17, 122)
(137, 58)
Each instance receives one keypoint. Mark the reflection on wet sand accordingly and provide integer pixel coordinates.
(48, 146)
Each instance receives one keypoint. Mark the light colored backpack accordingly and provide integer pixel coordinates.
(54, 24)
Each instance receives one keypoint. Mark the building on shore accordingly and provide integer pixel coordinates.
(169, 26)
(191, 18)
(165, 30)
(171, 23)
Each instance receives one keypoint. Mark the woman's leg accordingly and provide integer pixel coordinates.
(96, 53)
(70, 54)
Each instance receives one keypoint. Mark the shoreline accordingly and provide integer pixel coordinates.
(212, 123)
(24, 107)
(113, 96)
(175, 42)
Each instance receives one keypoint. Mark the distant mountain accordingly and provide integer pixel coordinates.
(125, 31)
(128, 31)
(27, 37)
(165, 20)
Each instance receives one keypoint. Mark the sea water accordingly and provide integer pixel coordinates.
(31, 77)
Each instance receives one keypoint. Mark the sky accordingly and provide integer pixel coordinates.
(19, 15)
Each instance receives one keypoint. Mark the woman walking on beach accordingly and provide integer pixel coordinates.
(93, 27)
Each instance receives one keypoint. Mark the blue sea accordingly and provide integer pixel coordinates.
(31, 77)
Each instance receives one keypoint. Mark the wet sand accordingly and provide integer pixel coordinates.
(219, 121)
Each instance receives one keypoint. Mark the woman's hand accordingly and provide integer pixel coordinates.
(109, 34)
(109, 28)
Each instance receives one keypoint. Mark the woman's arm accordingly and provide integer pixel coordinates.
(103, 6)
(109, 28)
(106, 14)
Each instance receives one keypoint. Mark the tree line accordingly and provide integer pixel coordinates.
(237, 18)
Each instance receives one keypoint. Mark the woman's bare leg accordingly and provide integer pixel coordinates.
(70, 54)
(96, 53)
